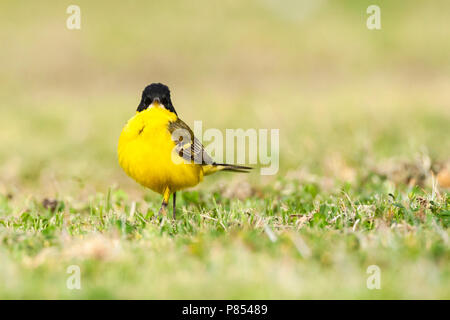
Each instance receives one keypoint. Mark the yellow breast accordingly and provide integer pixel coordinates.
(146, 149)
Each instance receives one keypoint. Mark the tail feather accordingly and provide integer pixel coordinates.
(210, 169)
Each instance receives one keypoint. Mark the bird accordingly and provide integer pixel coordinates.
(159, 150)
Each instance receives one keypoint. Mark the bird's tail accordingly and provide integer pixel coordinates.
(212, 168)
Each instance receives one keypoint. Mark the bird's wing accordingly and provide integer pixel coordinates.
(187, 145)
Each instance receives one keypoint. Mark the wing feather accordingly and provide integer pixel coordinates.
(187, 145)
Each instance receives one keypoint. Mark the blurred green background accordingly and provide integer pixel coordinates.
(310, 68)
(353, 106)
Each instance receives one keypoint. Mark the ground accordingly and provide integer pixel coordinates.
(363, 185)
(291, 239)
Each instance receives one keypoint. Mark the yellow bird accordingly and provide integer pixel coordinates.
(159, 150)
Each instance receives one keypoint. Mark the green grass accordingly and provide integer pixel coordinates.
(364, 146)
(289, 241)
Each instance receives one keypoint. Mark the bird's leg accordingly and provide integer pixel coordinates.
(162, 210)
(165, 201)
(174, 206)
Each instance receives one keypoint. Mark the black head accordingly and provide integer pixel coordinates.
(157, 93)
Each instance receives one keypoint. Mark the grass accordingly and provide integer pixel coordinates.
(364, 150)
(288, 240)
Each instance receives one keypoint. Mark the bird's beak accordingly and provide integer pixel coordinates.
(156, 103)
